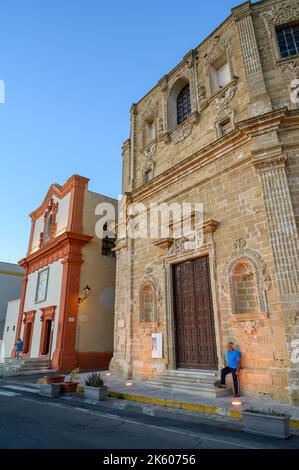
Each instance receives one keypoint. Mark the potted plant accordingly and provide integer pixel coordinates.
(266, 422)
(51, 390)
(94, 387)
(70, 386)
(54, 379)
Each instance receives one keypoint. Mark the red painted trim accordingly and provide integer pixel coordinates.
(31, 237)
(64, 357)
(53, 251)
(29, 318)
(48, 313)
(59, 192)
(75, 216)
(94, 360)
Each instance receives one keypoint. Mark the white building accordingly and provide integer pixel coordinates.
(10, 288)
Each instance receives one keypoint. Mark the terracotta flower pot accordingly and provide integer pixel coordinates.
(54, 379)
(69, 387)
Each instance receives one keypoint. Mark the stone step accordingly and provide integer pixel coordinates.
(196, 382)
(193, 389)
(24, 364)
(202, 391)
(194, 373)
(186, 379)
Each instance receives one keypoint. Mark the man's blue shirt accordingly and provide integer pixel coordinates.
(233, 358)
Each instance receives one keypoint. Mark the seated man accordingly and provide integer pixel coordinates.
(234, 365)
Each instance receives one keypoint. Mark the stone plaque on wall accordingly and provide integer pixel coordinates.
(157, 345)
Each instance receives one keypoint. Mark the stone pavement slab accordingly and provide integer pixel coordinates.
(138, 391)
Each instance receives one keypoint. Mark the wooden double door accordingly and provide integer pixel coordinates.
(193, 315)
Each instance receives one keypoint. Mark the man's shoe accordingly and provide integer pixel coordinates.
(221, 386)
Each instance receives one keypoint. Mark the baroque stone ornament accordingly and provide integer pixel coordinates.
(150, 110)
(250, 326)
(150, 279)
(150, 151)
(242, 255)
(218, 49)
(183, 132)
(282, 13)
(290, 69)
(50, 224)
(221, 101)
(186, 244)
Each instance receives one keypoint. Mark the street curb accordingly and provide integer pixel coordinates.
(213, 410)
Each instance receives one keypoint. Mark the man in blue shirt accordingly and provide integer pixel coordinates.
(234, 365)
(19, 348)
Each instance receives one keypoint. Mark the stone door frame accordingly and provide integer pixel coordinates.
(169, 340)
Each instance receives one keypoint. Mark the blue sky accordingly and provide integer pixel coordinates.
(72, 69)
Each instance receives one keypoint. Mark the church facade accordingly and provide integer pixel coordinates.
(220, 129)
(65, 314)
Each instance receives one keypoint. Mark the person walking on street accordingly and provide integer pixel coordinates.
(19, 348)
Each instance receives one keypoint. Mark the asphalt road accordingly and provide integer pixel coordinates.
(28, 421)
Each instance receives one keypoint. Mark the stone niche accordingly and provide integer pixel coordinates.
(246, 283)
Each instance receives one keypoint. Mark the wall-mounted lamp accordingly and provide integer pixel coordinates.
(85, 293)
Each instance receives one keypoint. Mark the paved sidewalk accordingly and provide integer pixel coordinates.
(140, 392)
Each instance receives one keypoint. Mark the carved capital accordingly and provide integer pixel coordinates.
(271, 163)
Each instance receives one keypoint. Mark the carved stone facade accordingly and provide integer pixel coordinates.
(246, 177)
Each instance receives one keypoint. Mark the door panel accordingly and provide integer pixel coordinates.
(193, 315)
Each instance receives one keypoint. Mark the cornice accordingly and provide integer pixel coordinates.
(57, 244)
(59, 192)
(244, 132)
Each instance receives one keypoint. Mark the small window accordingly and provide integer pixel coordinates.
(226, 127)
(183, 104)
(7, 329)
(150, 131)
(108, 244)
(14, 328)
(42, 285)
(220, 74)
(288, 40)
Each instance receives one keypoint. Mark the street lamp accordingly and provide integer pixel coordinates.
(85, 293)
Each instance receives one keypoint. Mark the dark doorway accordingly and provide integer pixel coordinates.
(47, 337)
(27, 338)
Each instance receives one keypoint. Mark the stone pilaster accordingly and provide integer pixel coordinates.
(284, 240)
(163, 83)
(260, 102)
(133, 140)
(126, 166)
